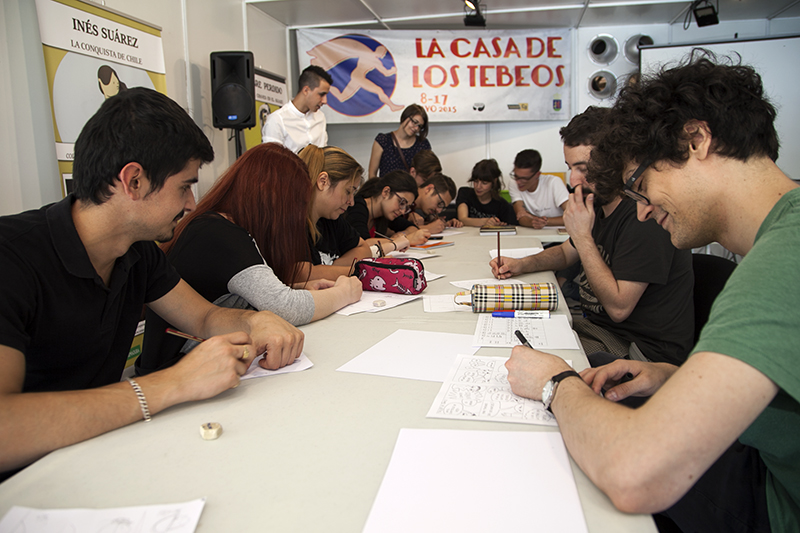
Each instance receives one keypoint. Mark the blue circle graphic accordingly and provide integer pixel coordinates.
(363, 102)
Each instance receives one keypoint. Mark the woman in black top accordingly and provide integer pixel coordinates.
(482, 204)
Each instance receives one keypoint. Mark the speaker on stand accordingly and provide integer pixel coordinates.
(233, 98)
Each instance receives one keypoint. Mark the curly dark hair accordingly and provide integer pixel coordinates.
(647, 121)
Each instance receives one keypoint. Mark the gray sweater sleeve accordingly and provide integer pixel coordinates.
(262, 288)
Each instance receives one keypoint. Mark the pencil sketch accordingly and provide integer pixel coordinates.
(477, 389)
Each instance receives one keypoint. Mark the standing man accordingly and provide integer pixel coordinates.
(300, 122)
(718, 444)
(635, 287)
(75, 275)
(538, 199)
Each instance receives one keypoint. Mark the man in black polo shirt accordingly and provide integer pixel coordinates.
(75, 275)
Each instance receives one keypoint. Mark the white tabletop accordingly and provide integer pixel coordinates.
(300, 452)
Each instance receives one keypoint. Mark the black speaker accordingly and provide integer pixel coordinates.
(233, 93)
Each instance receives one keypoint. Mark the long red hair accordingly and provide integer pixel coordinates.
(266, 192)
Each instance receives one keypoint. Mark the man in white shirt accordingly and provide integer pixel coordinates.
(538, 199)
(300, 122)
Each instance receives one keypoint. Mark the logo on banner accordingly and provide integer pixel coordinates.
(363, 71)
(556, 102)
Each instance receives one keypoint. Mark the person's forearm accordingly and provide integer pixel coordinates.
(329, 301)
(555, 221)
(550, 259)
(604, 285)
(38, 423)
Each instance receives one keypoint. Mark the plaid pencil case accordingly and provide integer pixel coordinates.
(517, 296)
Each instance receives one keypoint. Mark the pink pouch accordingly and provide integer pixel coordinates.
(391, 274)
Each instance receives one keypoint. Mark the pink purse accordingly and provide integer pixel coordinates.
(391, 274)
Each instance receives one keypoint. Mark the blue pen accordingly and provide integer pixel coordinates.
(521, 314)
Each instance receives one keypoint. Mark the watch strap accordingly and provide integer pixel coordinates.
(556, 379)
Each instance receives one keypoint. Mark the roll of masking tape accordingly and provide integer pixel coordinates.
(210, 430)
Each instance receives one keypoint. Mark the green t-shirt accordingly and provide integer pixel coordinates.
(756, 319)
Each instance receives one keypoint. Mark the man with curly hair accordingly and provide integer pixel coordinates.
(717, 446)
(635, 288)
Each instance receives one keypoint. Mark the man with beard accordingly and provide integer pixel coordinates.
(76, 275)
(635, 286)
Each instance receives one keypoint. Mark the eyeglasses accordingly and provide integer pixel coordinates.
(520, 178)
(402, 202)
(415, 122)
(628, 188)
(442, 204)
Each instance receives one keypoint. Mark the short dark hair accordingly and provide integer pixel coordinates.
(412, 111)
(426, 164)
(529, 159)
(139, 125)
(442, 184)
(311, 76)
(647, 121)
(586, 128)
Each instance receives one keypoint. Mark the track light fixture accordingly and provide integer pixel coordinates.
(474, 16)
(704, 14)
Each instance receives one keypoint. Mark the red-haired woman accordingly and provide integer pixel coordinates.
(246, 238)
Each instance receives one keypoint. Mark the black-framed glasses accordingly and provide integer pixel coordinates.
(520, 178)
(416, 123)
(442, 204)
(404, 205)
(628, 188)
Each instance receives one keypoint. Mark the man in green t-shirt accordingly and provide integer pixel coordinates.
(717, 446)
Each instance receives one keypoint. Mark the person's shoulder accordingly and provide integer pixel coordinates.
(17, 225)
(551, 180)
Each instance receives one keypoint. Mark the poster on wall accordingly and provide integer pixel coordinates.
(457, 76)
(270, 96)
(91, 54)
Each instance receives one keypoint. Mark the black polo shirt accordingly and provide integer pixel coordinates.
(75, 331)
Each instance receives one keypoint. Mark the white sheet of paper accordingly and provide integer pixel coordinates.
(442, 303)
(468, 283)
(368, 299)
(423, 355)
(412, 254)
(430, 276)
(175, 518)
(256, 371)
(552, 333)
(516, 253)
(477, 389)
(477, 481)
(446, 232)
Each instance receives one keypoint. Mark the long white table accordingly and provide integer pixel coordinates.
(300, 452)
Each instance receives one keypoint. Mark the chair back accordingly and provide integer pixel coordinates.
(711, 272)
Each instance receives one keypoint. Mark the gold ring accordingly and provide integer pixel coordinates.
(246, 354)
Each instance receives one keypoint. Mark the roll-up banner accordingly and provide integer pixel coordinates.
(90, 54)
(271, 94)
(457, 76)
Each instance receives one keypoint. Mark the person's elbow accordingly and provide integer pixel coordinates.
(619, 313)
(640, 492)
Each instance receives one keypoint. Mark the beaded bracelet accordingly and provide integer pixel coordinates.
(142, 400)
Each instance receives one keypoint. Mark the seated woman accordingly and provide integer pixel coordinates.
(380, 201)
(335, 244)
(396, 150)
(482, 205)
(246, 237)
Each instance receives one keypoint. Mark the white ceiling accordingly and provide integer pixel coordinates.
(507, 14)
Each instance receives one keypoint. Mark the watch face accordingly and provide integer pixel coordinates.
(547, 393)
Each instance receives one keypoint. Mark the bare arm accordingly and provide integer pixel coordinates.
(38, 423)
(463, 216)
(374, 159)
(557, 221)
(553, 258)
(345, 291)
(618, 297)
(646, 459)
(524, 218)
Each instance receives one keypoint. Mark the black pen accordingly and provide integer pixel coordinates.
(522, 339)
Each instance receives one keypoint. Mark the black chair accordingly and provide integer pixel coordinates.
(711, 272)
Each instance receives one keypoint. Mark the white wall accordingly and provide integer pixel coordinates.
(192, 29)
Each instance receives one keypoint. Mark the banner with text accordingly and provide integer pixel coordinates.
(91, 54)
(271, 94)
(465, 75)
